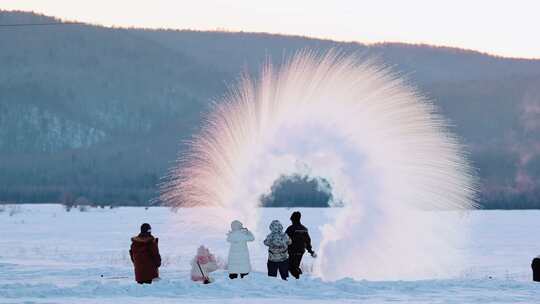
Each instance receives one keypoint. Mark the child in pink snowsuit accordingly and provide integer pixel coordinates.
(207, 262)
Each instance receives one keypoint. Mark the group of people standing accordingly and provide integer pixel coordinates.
(285, 252)
(285, 249)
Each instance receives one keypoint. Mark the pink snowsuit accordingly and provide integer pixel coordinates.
(208, 264)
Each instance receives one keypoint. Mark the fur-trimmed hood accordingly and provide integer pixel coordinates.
(143, 238)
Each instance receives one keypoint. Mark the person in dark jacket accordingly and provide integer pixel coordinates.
(145, 256)
(536, 268)
(301, 242)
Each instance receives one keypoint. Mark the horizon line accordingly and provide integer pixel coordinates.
(226, 30)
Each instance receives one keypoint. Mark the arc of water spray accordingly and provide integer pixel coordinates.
(386, 152)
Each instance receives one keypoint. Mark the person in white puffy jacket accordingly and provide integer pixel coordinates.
(238, 262)
(207, 263)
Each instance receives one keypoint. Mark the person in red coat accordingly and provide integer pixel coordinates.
(145, 256)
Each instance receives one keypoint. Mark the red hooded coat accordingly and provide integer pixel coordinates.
(145, 256)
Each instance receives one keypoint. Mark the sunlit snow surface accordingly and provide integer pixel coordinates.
(48, 255)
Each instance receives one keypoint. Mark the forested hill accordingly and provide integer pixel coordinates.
(97, 114)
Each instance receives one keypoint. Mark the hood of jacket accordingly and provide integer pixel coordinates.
(236, 225)
(142, 238)
(203, 251)
(276, 227)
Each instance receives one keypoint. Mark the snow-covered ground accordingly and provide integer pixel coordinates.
(48, 255)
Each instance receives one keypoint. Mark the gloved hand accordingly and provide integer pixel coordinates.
(313, 254)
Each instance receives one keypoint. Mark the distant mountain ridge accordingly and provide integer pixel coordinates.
(96, 112)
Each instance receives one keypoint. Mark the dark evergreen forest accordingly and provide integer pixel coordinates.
(96, 115)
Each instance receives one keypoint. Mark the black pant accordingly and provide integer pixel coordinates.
(283, 268)
(294, 264)
(536, 269)
(233, 276)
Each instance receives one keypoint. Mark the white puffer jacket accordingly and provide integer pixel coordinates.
(238, 261)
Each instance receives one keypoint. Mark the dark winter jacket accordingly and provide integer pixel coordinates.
(300, 238)
(536, 269)
(145, 256)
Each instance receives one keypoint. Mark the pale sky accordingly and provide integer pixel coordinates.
(506, 28)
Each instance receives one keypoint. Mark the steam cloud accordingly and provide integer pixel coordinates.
(387, 154)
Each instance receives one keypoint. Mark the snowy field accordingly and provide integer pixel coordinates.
(48, 255)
